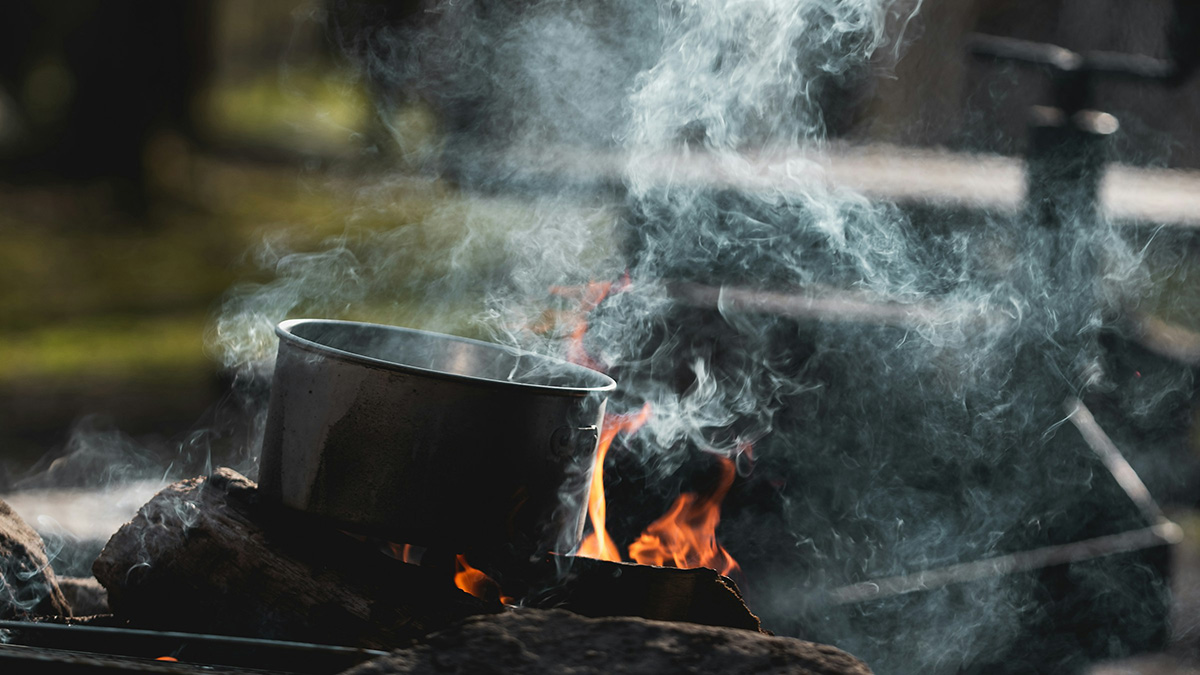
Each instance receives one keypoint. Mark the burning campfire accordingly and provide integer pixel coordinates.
(686, 535)
(598, 544)
(683, 537)
(892, 434)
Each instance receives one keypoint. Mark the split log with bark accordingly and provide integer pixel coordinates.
(553, 641)
(206, 555)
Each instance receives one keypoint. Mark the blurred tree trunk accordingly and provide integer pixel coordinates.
(93, 81)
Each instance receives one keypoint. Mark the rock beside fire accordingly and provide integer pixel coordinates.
(27, 584)
(555, 641)
(206, 555)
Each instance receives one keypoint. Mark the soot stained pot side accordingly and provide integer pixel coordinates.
(430, 439)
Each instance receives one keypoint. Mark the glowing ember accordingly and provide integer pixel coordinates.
(687, 535)
(473, 581)
(407, 552)
(598, 544)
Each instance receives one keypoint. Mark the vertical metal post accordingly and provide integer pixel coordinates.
(1065, 163)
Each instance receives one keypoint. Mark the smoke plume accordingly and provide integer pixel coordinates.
(902, 390)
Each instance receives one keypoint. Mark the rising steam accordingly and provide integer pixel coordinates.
(915, 425)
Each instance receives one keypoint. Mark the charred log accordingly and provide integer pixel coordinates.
(207, 555)
(597, 588)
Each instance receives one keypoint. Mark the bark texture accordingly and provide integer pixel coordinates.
(206, 555)
(555, 641)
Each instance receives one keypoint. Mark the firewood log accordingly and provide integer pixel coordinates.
(597, 588)
(207, 555)
(554, 641)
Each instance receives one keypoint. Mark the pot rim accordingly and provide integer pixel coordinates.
(284, 330)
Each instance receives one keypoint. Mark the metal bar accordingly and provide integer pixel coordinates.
(253, 653)
(1117, 465)
(1160, 532)
(1114, 65)
(1164, 533)
(23, 659)
(836, 306)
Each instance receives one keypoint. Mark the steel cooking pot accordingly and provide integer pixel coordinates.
(430, 439)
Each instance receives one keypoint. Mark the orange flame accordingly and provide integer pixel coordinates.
(406, 552)
(686, 536)
(599, 544)
(473, 581)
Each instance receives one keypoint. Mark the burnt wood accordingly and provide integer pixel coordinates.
(207, 555)
(597, 588)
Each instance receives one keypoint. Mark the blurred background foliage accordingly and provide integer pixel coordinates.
(151, 155)
(146, 150)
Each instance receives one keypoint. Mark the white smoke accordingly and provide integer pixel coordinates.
(914, 426)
